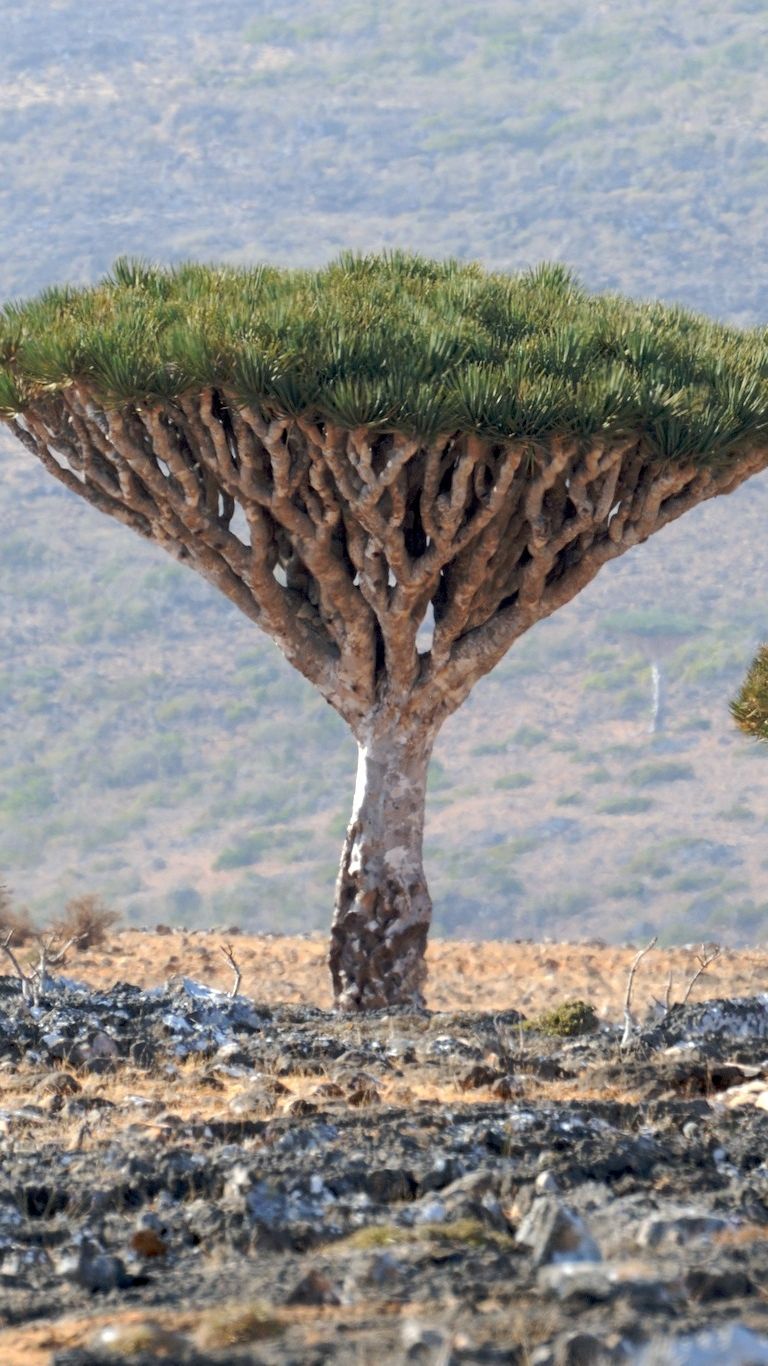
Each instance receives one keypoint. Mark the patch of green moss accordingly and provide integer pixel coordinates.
(565, 1021)
(238, 1325)
(470, 1232)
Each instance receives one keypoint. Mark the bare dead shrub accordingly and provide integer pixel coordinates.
(15, 920)
(86, 919)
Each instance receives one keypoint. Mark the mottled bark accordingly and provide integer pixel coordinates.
(383, 908)
(338, 544)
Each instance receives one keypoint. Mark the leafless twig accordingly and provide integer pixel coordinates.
(33, 981)
(226, 949)
(703, 959)
(26, 985)
(629, 1023)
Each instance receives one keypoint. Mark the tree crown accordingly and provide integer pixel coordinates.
(398, 343)
(750, 707)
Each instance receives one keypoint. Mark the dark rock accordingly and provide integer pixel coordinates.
(389, 1185)
(62, 1083)
(555, 1233)
(96, 1271)
(363, 1095)
(315, 1289)
(480, 1074)
(710, 1284)
(581, 1349)
(680, 1229)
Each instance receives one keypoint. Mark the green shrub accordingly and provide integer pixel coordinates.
(512, 781)
(660, 771)
(598, 775)
(529, 736)
(625, 806)
(565, 1021)
(244, 851)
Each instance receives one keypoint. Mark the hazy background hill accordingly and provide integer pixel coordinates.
(152, 745)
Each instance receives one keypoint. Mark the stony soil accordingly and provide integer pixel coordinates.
(190, 1178)
(494, 975)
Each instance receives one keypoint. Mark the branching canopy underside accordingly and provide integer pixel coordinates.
(393, 466)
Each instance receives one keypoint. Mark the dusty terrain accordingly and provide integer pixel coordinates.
(193, 1178)
(497, 975)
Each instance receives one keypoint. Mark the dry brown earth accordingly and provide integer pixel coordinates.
(494, 975)
(490, 976)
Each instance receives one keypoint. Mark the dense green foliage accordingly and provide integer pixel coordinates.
(750, 707)
(399, 342)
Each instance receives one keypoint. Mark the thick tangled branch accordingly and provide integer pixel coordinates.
(340, 543)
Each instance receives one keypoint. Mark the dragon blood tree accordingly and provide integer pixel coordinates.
(394, 467)
(750, 707)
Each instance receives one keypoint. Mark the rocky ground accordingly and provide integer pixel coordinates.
(189, 1177)
(486, 975)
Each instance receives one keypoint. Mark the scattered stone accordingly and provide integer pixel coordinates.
(730, 1345)
(314, 1288)
(555, 1233)
(581, 1349)
(363, 1095)
(62, 1083)
(519, 1209)
(146, 1242)
(681, 1229)
(94, 1270)
(129, 1340)
(479, 1075)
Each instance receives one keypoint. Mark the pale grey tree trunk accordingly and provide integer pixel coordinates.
(656, 722)
(383, 908)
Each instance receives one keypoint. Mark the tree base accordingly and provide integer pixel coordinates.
(383, 908)
(378, 945)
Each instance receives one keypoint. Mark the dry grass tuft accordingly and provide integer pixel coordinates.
(86, 919)
(236, 1326)
(469, 1232)
(15, 920)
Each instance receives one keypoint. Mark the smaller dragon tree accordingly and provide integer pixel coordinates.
(749, 708)
(394, 467)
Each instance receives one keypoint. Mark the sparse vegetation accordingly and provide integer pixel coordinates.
(236, 1325)
(750, 708)
(86, 921)
(625, 806)
(15, 920)
(469, 1232)
(565, 1021)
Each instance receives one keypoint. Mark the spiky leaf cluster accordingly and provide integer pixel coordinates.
(750, 708)
(397, 342)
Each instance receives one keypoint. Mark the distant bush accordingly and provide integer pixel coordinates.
(247, 850)
(660, 771)
(739, 811)
(565, 1021)
(528, 736)
(511, 781)
(15, 919)
(598, 775)
(625, 806)
(88, 920)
